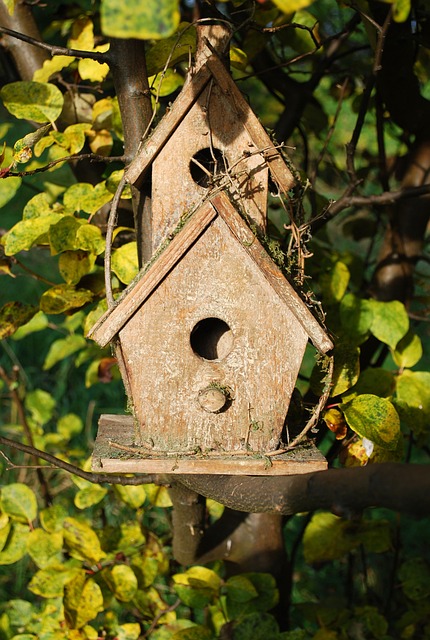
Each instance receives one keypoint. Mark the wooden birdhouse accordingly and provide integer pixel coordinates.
(211, 335)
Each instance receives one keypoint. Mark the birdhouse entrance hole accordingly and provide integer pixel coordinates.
(211, 339)
(205, 164)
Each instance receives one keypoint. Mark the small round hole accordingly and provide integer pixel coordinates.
(211, 339)
(205, 164)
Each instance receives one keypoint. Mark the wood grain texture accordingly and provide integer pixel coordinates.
(120, 430)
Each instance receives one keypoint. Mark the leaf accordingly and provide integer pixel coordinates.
(13, 315)
(401, 10)
(50, 583)
(37, 323)
(413, 400)
(414, 575)
(170, 51)
(122, 582)
(335, 421)
(101, 142)
(240, 589)
(62, 234)
(158, 496)
(84, 197)
(74, 265)
(63, 348)
(152, 19)
(40, 404)
(266, 597)
(166, 83)
(328, 537)
(38, 101)
(8, 189)
(89, 496)
(134, 497)
(356, 317)
(64, 297)
(19, 612)
(70, 425)
(195, 632)
(19, 502)
(197, 587)
(333, 282)
(408, 351)
(16, 546)
(129, 631)
(82, 541)
(124, 262)
(52, 66)
(37, 207)
(22, 148)
(53, 517)
(290, 6)
(92, 69)
(45, 549)
(346, 368)
(390, 321)
(258, 626)
(377, 381)
(89, 238)
(26, 233)
(373, 418)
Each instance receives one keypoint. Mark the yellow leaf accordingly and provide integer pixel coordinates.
(82, 37)
(52, 66)
(290, 6)
(101, 142)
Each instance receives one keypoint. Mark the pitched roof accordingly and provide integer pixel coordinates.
(214, 69)
(135, 295)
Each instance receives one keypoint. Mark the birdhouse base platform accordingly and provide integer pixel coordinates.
(116, 451)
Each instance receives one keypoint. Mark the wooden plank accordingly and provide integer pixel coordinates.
(272, 273)
(119, 431)
(281, 173)
(167, 125)
(134, 296)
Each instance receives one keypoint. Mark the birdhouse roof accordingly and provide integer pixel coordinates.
(212, 69)
(111, 323)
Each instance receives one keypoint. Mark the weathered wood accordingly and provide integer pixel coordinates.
(134, 296)
(273, 274)
(167, 126)
(117, 451)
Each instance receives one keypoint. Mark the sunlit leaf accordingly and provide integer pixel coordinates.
(92, 69)
(19, 502)
(122, 582)
(50, 583)
(40, 404)
(89, 496)
(124, 262)
(74, 265)
(64, 297)
(408, 351)
(63, 348)
(170, 51)
(413, 400)
(38, 101)
(346, 368)
(19, 612)
(16, 546)
(152, 19)
(52, 518)
(133, 496)
(333, 282)
(14, 315)
(197, 586)
(70, 425)
(373, 418)
(356, 317)
(166, 83)
(84, 197)
(52, 66)
(335, 421)
(390, 321)
(26, 233)
(82, 541)
(45, 548)
(37, 323)
(8, 188)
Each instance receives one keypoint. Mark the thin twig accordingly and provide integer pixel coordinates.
(54, 50)
(93, 157)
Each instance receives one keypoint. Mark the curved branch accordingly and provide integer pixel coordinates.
(54, 50)
(397, 486)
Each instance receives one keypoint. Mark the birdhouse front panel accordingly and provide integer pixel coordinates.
(211, 146)
(213, 354)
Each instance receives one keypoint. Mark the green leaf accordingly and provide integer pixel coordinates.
(373, 418)
(408, 351)
(22, 148)
(28, 232)
(133, 496)
(413, 400)
(8, 189)
(166, 83)
(129, 631)
(240, 589)
(377, 381)
(197, 586)
(170, 51)
(53, 517)
(415, 578)
(64, 297)
(333, 282)
(89, 238)
(50, 583)
(62, 234)
(40, 404)
(356, 317)
(266, 597)
(124, 262)
(13, 315)
(196, 632)
(122, 582)
(84, 197)
(45, 548)
(38, 101)
(16, 546)
(63, 348)
(70, 425)
(38, 206)
(19, 502)
(5, 527)
(328, 537)
(19, 612)
(346, 368)
(89, 496)
(290, 6)
(258, 626)
(82, 541)
(152, 19)
(390, 321)
(37, 323)
(74, 265)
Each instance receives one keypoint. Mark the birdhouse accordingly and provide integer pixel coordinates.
(211, 335)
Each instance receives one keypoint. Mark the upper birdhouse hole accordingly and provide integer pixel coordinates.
(211, 339)
(205, 165)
